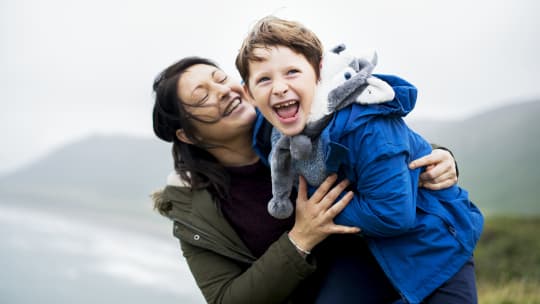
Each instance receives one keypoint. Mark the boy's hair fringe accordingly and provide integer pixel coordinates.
(271, 31)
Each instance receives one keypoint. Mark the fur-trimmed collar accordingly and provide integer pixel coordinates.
(174, 179)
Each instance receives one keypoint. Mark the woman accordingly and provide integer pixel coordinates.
(217, 198)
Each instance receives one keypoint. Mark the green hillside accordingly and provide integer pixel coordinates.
(498, 155)
(507, 261)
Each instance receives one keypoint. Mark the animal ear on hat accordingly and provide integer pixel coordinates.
(377, 91)
(338, 48)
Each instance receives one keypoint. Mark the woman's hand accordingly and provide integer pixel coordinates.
(440, 170)
(315, 216)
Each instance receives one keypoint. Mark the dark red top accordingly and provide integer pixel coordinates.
(251, 189)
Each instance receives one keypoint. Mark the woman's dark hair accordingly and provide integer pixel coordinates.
(192, 161)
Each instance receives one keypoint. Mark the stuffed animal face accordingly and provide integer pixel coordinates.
(334, 69)
(346, 79)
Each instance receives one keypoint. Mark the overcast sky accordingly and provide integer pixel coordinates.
(72, 68)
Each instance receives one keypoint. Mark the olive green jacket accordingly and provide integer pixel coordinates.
(223, 267)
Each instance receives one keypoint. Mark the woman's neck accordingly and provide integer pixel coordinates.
(237, 153)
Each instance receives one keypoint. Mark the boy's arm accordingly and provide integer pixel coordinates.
(384, 204)
(385, 200)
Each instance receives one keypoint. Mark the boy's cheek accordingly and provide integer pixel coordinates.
(248, 95)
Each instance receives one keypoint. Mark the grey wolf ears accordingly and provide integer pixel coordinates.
(338, 48)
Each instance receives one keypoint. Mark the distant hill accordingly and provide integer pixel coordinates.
(114, 173)
(498, 153)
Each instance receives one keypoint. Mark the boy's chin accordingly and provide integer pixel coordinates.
(289, 127)
(290, 130)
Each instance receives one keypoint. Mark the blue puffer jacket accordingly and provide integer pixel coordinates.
(420, 237)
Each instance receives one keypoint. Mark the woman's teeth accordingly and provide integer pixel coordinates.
(232, 106)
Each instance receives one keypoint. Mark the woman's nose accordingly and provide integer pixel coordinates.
(223, 91)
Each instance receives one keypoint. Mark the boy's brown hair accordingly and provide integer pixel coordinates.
(272, 31)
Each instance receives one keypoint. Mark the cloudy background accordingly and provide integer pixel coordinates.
(69, 69)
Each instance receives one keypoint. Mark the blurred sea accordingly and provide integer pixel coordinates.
(50, 257)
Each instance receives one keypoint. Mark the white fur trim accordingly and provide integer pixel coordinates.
(331, 77)
(173, 179)
(377, 91)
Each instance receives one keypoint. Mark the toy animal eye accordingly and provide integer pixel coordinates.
(347, 75)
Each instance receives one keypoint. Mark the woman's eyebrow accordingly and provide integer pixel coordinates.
(200, 85)
(214, 72)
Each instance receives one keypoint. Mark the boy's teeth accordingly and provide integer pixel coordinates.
(287, 109)
(290, 103)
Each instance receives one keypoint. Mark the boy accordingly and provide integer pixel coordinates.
(423, 240)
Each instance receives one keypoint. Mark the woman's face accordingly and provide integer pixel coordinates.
(216, 103)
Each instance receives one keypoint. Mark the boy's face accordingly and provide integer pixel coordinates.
(282, 86)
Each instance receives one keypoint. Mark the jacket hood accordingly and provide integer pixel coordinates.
(353, 116)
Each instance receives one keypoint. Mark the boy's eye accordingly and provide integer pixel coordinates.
(262, 79)
(223, 80)
(293, 71)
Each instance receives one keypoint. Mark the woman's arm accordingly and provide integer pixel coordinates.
(270, 279)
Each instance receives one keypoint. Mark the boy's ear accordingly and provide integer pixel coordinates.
(320, 69)
(181, 135)
(247, 93)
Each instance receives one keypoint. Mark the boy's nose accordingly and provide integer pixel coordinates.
(280, 88)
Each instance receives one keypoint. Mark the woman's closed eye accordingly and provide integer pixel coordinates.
(223, 80)
(202, 101)
(219, 76)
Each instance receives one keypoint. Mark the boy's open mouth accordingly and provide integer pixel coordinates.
(288, 109)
